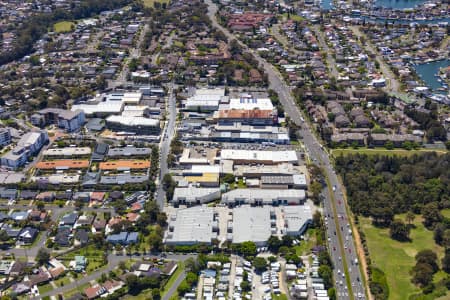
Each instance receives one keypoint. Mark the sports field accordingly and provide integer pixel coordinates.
(395, 258)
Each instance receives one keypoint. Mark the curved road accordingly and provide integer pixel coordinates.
(342, 242)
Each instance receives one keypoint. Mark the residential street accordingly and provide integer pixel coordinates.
(113, 262)
(56, 213)
(331, 63)
(393, 84)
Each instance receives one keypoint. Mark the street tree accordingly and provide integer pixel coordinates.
(260, 264)
(248, 249)
(42, 256)
(274, 243)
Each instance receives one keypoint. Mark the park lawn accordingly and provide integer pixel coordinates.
(305, 246)
(45, 288)
(175, 296)
(446, 212)
(395, 258)
(279, 297)
(294, 17)
(172, 279)
(143, 295)
(94, 257)
(63, 26)
(78, 289)
(241, 184)
(94, 264)
(178, 44)
(151, 3)
(381, 151)
(62, 281)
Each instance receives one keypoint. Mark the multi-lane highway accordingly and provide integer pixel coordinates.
(341, 242)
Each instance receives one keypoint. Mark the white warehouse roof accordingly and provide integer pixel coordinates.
(263, 196)
(296, 218)
(190, 226)
(133, 121)
(268, 156)
(249, 103)
(67, 151)
(207, 98)
(190, 195)
(251, 224)
(111, 107)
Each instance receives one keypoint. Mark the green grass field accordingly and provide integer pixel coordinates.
(151, 3)
(279, 297)
(381, 151)
(294, 17)
(45, 288)
(446, 212)
(78, 289)
(94, 257)
(305, 246)
(63, 26)
(395, 258)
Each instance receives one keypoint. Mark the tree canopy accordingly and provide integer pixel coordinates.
(382, 186)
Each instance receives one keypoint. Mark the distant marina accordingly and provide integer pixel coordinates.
(441, 21)
(326, 4)
(398, 4)
(428, 73)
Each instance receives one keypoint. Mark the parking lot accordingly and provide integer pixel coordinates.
(268, 282)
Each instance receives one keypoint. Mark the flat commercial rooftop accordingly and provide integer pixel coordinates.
(191, 225)
(251, 224)
(297, 218)
(264, 196)
(109, 107)
(259, 156)
(67, 151)
(124, 164)
(10, 177)
(128, 151)
(63, 164)
(133, 121)
(205, 177)
(123, 179)
(248, 102)
(57, 178)
(192, 194)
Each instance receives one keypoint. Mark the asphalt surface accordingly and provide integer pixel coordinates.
(344, 254)
(174, 286)
(164, 146)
